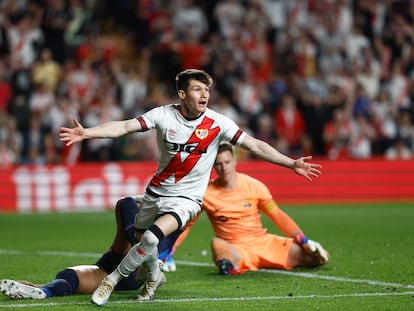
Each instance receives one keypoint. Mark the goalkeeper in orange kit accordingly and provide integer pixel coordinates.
(233, 202)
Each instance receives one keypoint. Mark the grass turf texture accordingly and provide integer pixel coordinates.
(371, 264)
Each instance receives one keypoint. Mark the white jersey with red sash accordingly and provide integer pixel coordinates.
(187, 149)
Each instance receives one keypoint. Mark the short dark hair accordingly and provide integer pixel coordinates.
(182, 79)
(225, 146)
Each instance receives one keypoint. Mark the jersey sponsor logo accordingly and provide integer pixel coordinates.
(222, 218)
(189, 148)
(195, 147)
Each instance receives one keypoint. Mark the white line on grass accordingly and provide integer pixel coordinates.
(339, 279)
(201, 264)
(186, 300)
(312, 276)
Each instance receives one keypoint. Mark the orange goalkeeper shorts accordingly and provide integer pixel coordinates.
(270, 251)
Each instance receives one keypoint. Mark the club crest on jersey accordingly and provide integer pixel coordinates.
(201, 133)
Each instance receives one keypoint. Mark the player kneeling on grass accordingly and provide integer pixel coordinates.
(84, 279)
(233, 202)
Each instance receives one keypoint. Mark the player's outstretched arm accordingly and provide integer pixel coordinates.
(263, 150)
(106, 130)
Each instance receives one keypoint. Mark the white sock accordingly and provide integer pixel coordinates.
(131, 261)
(137, 255)
(153, 266)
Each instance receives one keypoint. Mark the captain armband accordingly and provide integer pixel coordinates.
(269, 207)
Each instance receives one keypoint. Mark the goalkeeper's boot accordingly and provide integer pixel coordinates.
(227, 268)
(101, 295)
(150, 287)
(169, 264)
(18, 290)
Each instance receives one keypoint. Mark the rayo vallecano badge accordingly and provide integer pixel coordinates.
(201, 133)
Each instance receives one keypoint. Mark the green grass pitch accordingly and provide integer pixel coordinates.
(371, 267)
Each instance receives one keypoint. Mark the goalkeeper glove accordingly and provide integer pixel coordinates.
(313, 247)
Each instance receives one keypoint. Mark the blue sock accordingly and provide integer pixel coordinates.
(129, 283)
(66, 283)
(128, 208)
(166, 245)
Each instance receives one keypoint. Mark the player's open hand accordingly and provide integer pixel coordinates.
(306, 169)
(72, 135)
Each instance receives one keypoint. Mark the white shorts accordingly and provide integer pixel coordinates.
(182, 208)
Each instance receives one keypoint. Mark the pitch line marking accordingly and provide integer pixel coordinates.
(312, 276)
(201, 264)
(187, 300)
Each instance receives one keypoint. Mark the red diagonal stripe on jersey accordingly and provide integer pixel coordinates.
(182, 168)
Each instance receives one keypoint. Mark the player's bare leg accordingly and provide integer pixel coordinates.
(89, 278)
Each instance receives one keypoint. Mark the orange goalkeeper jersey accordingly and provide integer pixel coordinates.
(235, 213)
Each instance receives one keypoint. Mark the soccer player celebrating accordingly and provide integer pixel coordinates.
(188, 136)
(233, 202)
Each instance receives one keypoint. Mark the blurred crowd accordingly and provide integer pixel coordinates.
(332, 78)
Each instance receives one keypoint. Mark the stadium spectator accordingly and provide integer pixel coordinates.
(82, 83)
(46, 71)
(41, 101)
(398, 87)
(190, 51)
(188, 135)
(222, 105)
(234, 203)
(336, 135)
(316, 98)
(361, 105)
(229, 14)
(105, 109)
(25, 38)
(383, 121)
(5, 87)
(258, 55)
(189, 17)
(80, 23)
(399, 150)
(368, 74)
(19, 111)
(248, 94)
(355, 42)
(84, 279)
(264, 129)
(33, 141)
(56, 20)
(405, 127)
(7, 156)
(276, 87)
(133, 87)
(11, 139)
(362, 135)
(289, 123)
